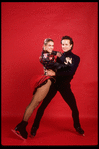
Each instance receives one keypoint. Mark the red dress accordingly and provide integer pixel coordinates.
(48, 60)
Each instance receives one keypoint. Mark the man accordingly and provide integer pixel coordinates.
(63, 79)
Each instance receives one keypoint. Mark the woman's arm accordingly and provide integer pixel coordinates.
(50, 61)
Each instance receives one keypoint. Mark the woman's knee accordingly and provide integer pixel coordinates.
(36, 104)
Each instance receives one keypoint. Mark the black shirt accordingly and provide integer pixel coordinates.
(67, 74)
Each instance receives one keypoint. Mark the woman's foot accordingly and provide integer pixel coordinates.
(20, 130)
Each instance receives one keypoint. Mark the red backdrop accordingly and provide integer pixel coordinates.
(24, 26)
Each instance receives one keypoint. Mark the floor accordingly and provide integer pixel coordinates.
(52, 132)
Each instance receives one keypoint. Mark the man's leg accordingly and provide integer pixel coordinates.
(69, 98)
(52, 92)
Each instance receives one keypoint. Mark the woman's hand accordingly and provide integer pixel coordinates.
(50, 72)
(59, 54)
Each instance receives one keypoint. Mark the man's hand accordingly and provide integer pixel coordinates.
(50, 72)
(68, 60)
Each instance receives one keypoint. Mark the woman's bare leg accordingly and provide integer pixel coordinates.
(37, 98)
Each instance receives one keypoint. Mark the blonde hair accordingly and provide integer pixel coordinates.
(47, 40)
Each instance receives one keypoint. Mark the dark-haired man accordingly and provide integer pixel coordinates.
(63, 79)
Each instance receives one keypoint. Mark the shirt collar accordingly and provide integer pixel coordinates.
(68, 52)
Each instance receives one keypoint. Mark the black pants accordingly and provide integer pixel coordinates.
(69, 98)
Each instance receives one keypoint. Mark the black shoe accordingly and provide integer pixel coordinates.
(33, 131)
(20, 130)
(80, 130)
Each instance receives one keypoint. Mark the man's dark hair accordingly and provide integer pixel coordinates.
(68, 38)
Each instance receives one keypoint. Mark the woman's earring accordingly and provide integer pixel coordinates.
(44, 48)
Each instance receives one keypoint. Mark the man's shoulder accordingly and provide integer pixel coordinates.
(76, 56)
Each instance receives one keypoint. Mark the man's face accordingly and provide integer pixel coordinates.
(49, 47)
(66, 46)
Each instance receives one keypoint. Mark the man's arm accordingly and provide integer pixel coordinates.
(64, 71)
(71, 71)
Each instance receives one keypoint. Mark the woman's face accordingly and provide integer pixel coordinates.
(49, 47)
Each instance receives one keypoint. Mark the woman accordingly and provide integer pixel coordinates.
(48, 58)
(41, 87)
